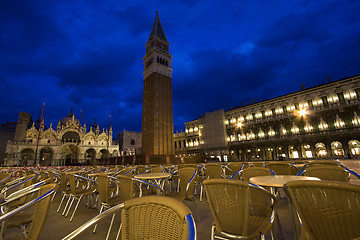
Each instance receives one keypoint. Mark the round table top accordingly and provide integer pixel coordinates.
(152, 175)
(278, 180)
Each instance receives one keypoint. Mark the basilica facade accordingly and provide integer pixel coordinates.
(67, 144)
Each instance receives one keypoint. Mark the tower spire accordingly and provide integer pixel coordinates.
(157, 29)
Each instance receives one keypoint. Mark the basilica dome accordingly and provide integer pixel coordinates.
(69, 119)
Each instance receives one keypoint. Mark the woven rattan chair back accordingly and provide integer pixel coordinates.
(4, 177)
(187, 182)
(64, 181)
(213, 170)
(323, 163)
(126, 187)
(282, 168)
(41, 211)
(157, 169)
(30, 181)
(248, 173)
(328, 172)
(103, 187)
(234, 167)
(328, 210)
(141, 169)
(234, 211)
(155, 217)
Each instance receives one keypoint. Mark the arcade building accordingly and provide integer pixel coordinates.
(315, 123)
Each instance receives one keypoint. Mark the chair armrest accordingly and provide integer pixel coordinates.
(94, 220)
(21, 208)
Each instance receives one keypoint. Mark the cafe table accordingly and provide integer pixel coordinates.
(278, 181)
(157, 178)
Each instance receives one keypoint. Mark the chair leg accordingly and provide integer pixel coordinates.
(111, 223)
(77, 204)
(62, 199)
(53, 197)
(68, 210)
(67, 203)
(212, 232)
(118, 233)
(201, 192)
(102, 207)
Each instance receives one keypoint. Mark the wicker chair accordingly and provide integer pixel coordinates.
(38, 218)
(212, 170)
(186, 181)
(327, 209)
(282, 168)
(328, 172)
(157, 169)
(65, 188)
(151, 217)
(233, 168)
(80, 186)
(248, 173)
(4, 178)
(323, 163)
(236, 215)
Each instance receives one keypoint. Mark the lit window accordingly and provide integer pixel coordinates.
(261, 133)
(356, 120)
(323, 125)
(308, 127)
(271, 132)
(294, 129)
(339, 123)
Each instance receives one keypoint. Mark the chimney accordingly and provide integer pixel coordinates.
(329, 80)
(244, 103)
(252, 101)
(302, 86)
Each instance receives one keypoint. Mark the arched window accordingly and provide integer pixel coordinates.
(132, 142)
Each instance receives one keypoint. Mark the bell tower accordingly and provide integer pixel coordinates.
(157, 120)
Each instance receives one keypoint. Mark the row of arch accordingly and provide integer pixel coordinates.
(337, 149)
(66, 156)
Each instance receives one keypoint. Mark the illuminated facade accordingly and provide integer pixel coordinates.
(157, 120)
(319, 122)
(68, 144)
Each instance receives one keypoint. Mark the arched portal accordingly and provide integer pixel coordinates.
(90, 156)
(354, 147)
(69, 153)
(320, 150)
(306, 151)
(26, 155)
(337, 148)
(293, 152)
(46, 155)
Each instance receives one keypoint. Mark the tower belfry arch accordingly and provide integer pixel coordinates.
(157, 121)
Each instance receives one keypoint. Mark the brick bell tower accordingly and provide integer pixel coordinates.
(157, 121)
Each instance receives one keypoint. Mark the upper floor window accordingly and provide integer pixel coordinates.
(132, 142)
(341, 96)
(325, 100)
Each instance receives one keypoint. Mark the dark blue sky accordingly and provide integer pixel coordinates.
(88, 54)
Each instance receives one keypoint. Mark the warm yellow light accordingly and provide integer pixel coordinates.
(239, 124)
(302, 112)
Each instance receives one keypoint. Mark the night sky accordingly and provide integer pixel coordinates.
(88, 54)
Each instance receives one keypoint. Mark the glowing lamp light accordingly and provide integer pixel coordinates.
(239, 124)
(302, 112)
